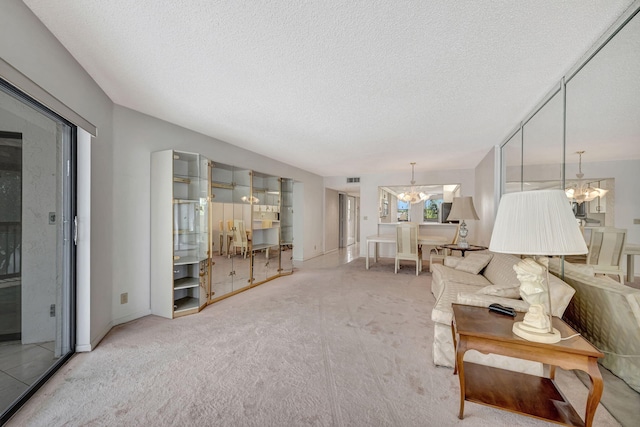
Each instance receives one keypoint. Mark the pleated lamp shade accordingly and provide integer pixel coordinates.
(536, 223)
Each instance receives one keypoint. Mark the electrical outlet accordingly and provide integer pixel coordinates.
(636, 221)
(124, 298)
(52, 310)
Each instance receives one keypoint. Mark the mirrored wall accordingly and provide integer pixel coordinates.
(433, 209)
(586, 133)
(251, 229)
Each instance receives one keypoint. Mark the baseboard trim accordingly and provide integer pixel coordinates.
(95, 341)
(130, 317)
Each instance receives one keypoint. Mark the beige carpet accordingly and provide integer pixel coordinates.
(334, 347)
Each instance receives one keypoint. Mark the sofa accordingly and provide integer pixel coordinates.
(607, 314)
(481, 285)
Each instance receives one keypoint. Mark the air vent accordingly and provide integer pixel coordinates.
(351, 180)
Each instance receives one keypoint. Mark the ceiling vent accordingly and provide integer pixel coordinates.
(352, 180)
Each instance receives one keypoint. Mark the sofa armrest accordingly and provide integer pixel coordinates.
(482, 300)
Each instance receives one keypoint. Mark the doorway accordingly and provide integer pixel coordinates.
(348, 220)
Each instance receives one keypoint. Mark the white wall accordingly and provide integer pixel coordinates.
(487, 195)
(29, 47)
(331, 220)
(369, 204)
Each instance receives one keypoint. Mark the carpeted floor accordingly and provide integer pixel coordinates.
(323, 347)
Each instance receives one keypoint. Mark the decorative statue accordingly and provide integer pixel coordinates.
(530, 275)
(532, 290)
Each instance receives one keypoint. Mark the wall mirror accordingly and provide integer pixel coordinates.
(603, 106)
(542, 144)
(434, 208)
(512, 164)
(230, 216)
(600, 120)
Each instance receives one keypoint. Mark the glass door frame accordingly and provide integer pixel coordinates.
(66, 302)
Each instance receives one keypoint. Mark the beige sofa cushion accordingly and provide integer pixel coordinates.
(561, 294)
(500, 269)
(474, 262)
(442, 275)
(442, 311)
(481, 300)
(510, 291)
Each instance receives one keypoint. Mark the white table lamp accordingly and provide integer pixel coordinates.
(461, 209)
(537, 223)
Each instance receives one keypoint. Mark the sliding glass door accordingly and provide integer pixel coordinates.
(37, 253)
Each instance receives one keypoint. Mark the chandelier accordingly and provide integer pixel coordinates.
(250, 199)
(413, 196)
(582, 191)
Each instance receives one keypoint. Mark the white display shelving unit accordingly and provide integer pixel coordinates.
(180, 258)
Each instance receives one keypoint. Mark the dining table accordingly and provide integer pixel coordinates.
(423, 240)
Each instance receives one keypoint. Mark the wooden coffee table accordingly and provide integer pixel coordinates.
(479, 329)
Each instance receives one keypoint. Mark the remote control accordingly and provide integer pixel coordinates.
(500, 309)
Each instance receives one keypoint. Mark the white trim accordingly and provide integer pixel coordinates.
(130, 317)
(83, 249)
(103, 333)
(94, 342)
(28, 86)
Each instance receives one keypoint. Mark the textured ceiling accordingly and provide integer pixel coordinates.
(334, 87)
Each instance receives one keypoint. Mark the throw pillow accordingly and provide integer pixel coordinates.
(506, 291)
(474, 262)
(452, 261)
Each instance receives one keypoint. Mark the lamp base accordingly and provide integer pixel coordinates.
(462, 236)
(534, 334)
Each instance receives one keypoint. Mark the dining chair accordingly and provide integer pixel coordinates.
(407, 245)
(606, 248)
(240, 239)
(439, 253)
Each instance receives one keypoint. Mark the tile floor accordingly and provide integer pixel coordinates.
(332, 259)
(20, 366)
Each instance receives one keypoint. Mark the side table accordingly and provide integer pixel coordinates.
(479, 329)
(455, 247)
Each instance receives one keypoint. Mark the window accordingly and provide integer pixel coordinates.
(431, 210)
(403, 211)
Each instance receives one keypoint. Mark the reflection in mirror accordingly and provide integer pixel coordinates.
(228, 187)
(542, 144)
(512, 164)
(433, 210)
(603, 107)
(265, 226)
(514, 186)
